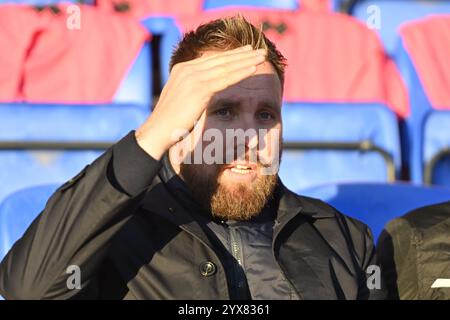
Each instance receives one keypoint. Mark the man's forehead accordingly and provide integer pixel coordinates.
(265, 68)
(257, 89)
(264, 77)
(263, 85)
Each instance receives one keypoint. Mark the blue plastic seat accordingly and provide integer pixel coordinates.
(393, 13)
(44, 2)
(273, 4)
(364, 126)
(436, 148)
(136, 86)
(376, 204)
(24, 122)
(167, 30)
(426, 131)
(57, 123)
(420, 106)
(18, 210)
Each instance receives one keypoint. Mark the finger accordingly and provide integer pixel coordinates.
(224, 70)
(225, 59)
(213, 70)
(222, 82)
(202, 59)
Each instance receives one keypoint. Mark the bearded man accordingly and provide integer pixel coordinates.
(150, 219)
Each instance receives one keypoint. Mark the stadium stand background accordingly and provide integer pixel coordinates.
(366, 108)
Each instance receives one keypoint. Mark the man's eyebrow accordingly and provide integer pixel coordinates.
(270, 105)
(225, 103)
(230, 103)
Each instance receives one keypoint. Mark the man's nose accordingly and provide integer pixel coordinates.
(246, 121)
(248, 124)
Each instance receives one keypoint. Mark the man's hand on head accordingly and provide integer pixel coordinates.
(188, 91)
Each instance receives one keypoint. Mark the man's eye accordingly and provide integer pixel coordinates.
(223, 112)
(266, 115)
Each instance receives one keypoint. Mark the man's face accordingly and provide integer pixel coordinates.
(234, 147)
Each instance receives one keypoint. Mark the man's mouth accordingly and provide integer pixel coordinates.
(242, 169)
(244, 172)
(241, 166)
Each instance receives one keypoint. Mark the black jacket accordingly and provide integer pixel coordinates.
(135, 241)
(414, 252)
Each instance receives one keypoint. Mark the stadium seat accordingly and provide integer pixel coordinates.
(330, 143)
(167, 30)
(436, 148)
(45, 2)
(143, 9)
(31, 136)
(423, 62)
(392, 13)
(136, 87)
(108, 59)
(160, 18)
(273, 4)
(376, 204)
(18, 210)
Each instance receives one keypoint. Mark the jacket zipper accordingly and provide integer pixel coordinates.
(236, 251)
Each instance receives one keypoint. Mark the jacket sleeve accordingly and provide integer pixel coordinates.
(77, 224)
(374, 285)
(394, 252)
(370, 279)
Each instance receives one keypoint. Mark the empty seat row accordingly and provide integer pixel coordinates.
(377, 203)
(387, 16)
(45, 143)
(338, 75)
(331, 143)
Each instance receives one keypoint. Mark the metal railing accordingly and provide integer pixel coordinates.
(53, 145)
(365, 146)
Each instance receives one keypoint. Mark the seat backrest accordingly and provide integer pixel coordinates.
(18, 210)
(422, 58)
(419, 108)
(273, 4)
(377, 204)
(107, 59)
(21, 168)
(44, 2)
(143, 9)
(386, 16)
(333, 126)
(88, 66)
(436, 148)
(137, 85)
(169, 34)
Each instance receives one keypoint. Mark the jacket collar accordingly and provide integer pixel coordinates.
(308, 249)
(291, 203)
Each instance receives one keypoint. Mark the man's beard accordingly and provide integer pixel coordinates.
(240, 202)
